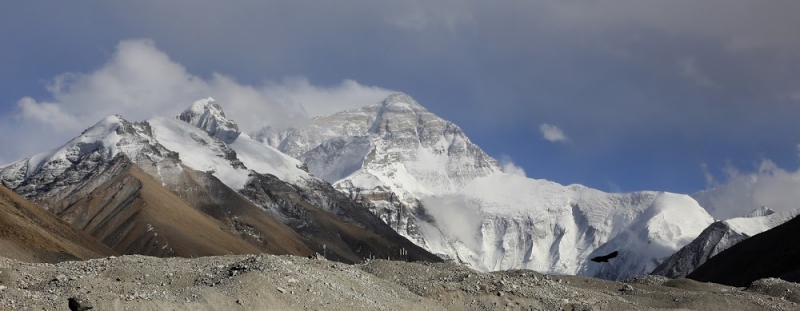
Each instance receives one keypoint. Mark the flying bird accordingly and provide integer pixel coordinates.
(605, 258)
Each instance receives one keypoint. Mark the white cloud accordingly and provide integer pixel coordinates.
(742, 192)
(44, 112)
(509, 167)
(318, 101)
(139, 81)
(552, 133)
(710, 180)
(456, 218)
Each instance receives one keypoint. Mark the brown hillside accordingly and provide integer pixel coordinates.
(251, 223)
(132, 213)
(29, 233)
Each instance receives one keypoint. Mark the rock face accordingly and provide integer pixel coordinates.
(772, 253)
(207, 114)
(423, 177)
(718, 237)
(713, 240)
(184, 166)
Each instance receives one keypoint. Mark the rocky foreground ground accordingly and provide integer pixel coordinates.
(266, 282)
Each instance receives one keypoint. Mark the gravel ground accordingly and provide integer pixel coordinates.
(266, 282)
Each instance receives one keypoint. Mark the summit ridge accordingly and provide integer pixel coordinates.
(207, 114)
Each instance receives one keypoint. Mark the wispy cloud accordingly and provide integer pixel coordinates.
(508, 166)
(741, 192)
(456, 218)
(318, 100)
(689, 69)
(552, 133)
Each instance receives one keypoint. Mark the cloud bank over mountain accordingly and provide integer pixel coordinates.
(655, 86)
(140, 81)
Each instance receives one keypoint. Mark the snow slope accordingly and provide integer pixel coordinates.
(148, 144)
(230, 158)
(669, 223)
(55, 172)
(427, 180)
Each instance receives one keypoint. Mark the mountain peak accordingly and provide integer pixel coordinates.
(401, 100)
(761, 211)
(207, 114)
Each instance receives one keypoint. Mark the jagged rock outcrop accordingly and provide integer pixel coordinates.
(713, 240)
(207, 114)
(772, 253)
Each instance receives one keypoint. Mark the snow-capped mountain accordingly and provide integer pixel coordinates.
(97, 183)
(257, 193)
(718, 237)
(427, 180)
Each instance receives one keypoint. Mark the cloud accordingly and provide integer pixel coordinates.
(456, 218)
(742, 192)
(689, 69)
(320, 101)
(741, 24)
(508, 166)
(49, 113)
(552, 133)
(419, 16)
(710, 180)
(140, 81)
(614, 74)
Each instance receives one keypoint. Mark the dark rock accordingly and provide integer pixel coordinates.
(79, 303)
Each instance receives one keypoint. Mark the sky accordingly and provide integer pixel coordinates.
(680, 96)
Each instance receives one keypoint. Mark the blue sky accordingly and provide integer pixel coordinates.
(646, 95)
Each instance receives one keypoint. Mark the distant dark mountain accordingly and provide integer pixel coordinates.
(30, 233)
(773, 253)
(718, 237)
